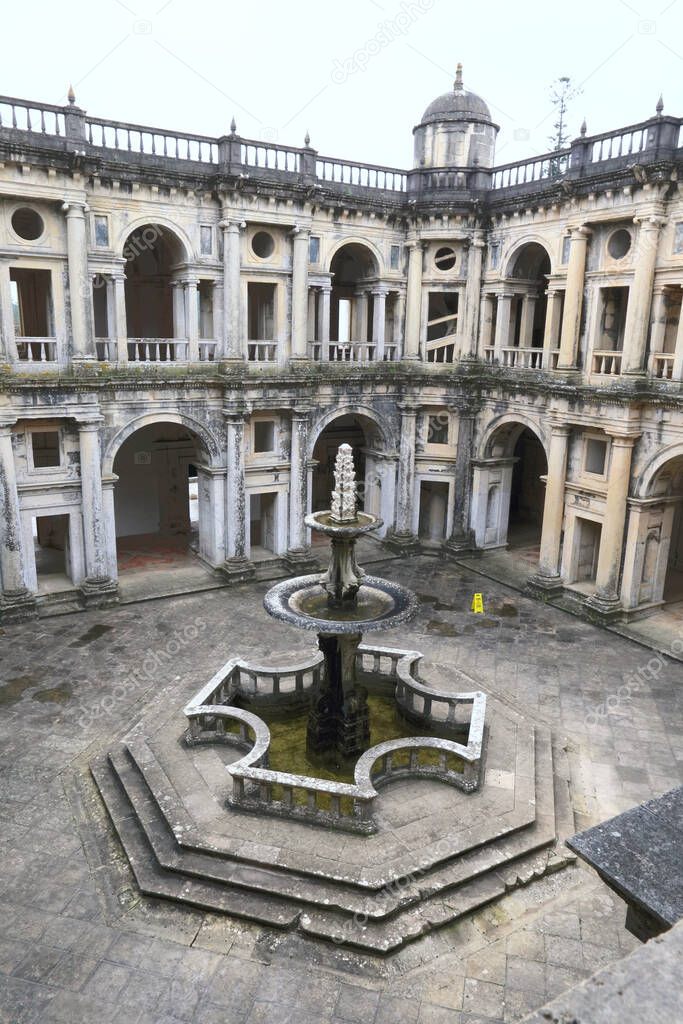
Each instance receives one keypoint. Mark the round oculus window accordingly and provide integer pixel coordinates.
(27, 223)
(619, 244)
(263, 245)
(445, 258)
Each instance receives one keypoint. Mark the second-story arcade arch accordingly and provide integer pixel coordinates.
(158, 300)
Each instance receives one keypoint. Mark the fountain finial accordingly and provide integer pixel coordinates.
(344, 494)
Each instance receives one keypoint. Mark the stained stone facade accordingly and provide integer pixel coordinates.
(501, 344)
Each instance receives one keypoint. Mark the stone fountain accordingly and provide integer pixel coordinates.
(340, 606)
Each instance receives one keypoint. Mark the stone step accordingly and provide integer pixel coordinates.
(152, 880)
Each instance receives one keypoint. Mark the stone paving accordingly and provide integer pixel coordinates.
(77, 942)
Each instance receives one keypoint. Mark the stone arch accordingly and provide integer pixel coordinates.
(515, 423)
(210, 444)
(153, 220)
(648, 476)
(516, 250)
(362, 411)
(373, 250)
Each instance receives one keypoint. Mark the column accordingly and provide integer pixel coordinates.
(402, 535)
(324, 327)
(97, 588)
(503, 314)
(79, 282)
(677, 373)
(640, 296)
(192, 320)
(526, 333)
(606, 597)
(179, 325)
(14, 594)
(548, 576)
(8, 348)
(472, 296)
(379, 320)
(486, 325)
(237, 567)
(233, 346)
(300, 237)
(298, 484)
(120, 321)
(359, 329)
(398, 324)
(461, 538)
(573, 299)
(551, 332)
(411, 342)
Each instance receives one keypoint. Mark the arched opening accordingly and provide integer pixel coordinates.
(352, 309)
(662, 571)
(373, 481)
(157, 499)
(156, 313)
(509, 493)
(528, 275)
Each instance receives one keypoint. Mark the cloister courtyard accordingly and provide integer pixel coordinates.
(80, 943)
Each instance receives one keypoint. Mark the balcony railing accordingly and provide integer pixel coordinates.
(207, 350)
(276, 158)
(156, 350)
(366, 175)
(551, 165)
(262, 351)
(136, 138)
(525, 358)
(662, 365)
(36, 350)
(31, 117)
(607, 362)
(106, 350)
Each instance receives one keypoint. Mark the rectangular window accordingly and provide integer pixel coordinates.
(264, 436)
(101, 232)
(205, 309)
(314, 249)
(261, 310)
(100, 307)
(494, 255)
(206, 240)
(678, 238)
(595, 457)
(31, 303)
(437, 429)
(45, 448)
(395, 257)
(566, 246)
(442, 325)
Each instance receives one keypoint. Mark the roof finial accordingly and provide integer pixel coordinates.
(584, 127)
(71, 95)
(233, 126)
(307, 139)
(457, 84)
(660, 105)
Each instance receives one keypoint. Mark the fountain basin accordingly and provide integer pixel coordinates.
(323, 522)
(380, 604)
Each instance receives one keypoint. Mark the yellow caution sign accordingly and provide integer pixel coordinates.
(478, 604)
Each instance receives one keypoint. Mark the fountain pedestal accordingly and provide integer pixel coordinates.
(338, 719)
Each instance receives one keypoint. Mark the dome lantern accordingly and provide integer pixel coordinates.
(456, 130)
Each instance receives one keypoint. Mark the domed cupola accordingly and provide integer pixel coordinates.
(456, 130)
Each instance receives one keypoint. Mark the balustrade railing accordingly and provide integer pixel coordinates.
(662, 365)
(106, 350)
(345, 172)
(610, 147)
(262, 351)
(265, 155)
(156, 350)
(551, 165)
(136, 138)
(524, 358)
(36, 350)
(607, 362)
(207, 350)
(23, 115)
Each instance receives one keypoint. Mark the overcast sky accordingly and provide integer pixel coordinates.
(356, 74)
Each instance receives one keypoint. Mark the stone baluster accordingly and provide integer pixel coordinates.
(16, 601)
(79, 281)
(573, 299)
(237, 566)
(97, 589)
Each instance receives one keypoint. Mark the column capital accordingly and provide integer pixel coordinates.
(409, 407)
(235, 413)
(623, 440)
(415, 243)
(75, 208)
(232, 224)
(653, 221)
(89, 422)
(301, 412)
(560, 429)
(6, 427)
(300, 231)
(580, 232)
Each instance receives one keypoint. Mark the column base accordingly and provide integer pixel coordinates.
(102, 593)
(238, 570)
(603, 609)
(403, 543)
(461, 544)
(301, 561)
(544, 587)
(17, 605)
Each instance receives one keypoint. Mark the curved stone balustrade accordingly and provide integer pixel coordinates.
(343, 805)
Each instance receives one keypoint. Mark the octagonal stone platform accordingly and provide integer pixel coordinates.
(438, 854)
